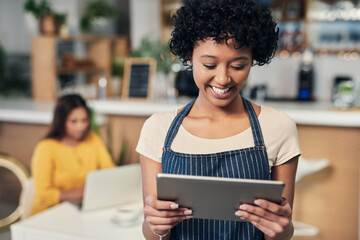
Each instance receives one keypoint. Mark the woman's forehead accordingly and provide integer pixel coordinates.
(210, 46)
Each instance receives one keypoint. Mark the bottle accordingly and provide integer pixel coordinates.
(102, 83)
(306, 76)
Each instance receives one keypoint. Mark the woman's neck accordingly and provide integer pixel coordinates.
(69, 141)
(204, 108)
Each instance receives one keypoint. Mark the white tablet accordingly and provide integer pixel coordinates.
(213, 197)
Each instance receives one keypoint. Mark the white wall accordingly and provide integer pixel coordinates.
(13, 34)
(144, 20)
(17, 27)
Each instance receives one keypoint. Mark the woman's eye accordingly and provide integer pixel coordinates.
(210, 66)
(238, 67)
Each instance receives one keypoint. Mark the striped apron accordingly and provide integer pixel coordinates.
(248, 163)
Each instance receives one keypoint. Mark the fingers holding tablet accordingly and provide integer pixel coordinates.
(269, 217)
(164, 215)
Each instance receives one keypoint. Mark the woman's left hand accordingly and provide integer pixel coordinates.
(274, 220)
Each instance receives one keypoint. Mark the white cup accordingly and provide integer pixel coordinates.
(126, 215)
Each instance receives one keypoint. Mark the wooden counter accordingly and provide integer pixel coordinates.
(329, 199)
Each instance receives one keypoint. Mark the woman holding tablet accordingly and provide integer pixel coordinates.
(220, 134)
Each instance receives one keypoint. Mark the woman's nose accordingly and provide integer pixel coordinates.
(222, 77)
(82, 125)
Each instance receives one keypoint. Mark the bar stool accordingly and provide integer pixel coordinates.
(307, 167)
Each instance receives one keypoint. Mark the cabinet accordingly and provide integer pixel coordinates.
(327, 26)
(48, 70)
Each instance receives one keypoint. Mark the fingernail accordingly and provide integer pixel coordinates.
(174, 205)
(189, 217)
(188, 212)
(257, 202)
(239, 214)
(242, 207)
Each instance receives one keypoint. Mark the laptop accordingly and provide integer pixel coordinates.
(112, 187)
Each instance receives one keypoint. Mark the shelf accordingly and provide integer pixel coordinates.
(286, 20)
(86, 70)
(87, 38)
(333, 21)
(98, 58)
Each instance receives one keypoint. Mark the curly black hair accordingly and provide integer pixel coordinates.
(249, 22)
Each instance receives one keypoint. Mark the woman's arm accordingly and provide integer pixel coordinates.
(274, 219)
(73, 195)
(43, 171)
(42, 168)
(162, 216)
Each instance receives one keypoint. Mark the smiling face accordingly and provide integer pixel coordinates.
(220, 71)
(77, 124)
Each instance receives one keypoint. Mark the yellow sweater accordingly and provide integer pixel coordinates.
(57, 167)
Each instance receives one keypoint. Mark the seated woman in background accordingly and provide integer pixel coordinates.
(69, 151)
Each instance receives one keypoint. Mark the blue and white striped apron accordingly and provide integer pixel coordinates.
(249, 163)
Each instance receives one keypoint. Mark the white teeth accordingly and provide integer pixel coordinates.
(220, 91)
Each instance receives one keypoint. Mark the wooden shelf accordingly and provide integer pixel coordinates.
(337, 51)
(87, 38)
(86, 70)
(287, 20)
(100, 51)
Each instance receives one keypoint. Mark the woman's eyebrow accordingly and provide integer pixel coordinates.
(241, 58)
(207, 56)
(234, 59)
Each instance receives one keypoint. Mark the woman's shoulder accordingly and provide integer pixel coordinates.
(270, 113)
(47, 143)
(161, 119)
(277, 122)
(46, 146)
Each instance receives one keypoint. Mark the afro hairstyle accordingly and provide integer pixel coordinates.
(249, 22)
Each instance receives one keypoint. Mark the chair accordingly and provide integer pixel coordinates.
(11, 166)
(27, 198)
(307, 167)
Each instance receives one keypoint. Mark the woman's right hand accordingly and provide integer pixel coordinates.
(164, 215)
(73, 195)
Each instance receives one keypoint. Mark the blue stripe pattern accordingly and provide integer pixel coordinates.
(248, 163)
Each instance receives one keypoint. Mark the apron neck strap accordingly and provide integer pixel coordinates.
(254, 123)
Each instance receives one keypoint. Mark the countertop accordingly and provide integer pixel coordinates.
(305, 113)
(29, 111)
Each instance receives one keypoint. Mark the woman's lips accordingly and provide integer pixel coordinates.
(220, 92)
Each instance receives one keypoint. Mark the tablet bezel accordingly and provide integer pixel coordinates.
(214, 197)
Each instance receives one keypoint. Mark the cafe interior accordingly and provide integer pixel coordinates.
(115, 54)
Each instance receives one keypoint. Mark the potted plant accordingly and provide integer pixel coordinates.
(12, 81)
(49, 21)
(117, 75)
(96, 16)
(165, 79)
